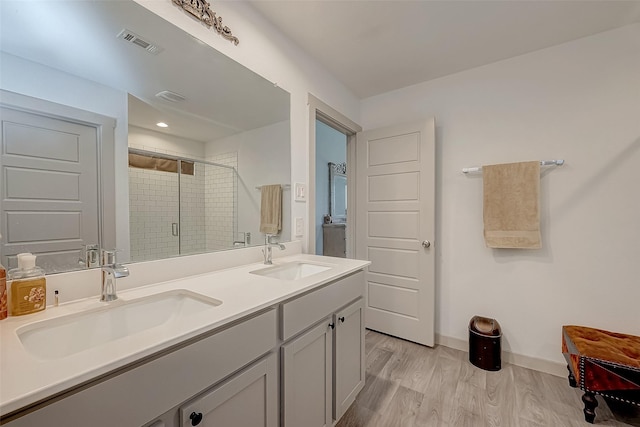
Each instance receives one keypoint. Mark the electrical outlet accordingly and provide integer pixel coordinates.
(299, 226)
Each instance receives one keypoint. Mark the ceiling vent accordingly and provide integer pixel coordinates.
(167, 95)
(131, 37)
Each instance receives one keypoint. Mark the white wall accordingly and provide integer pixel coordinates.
(256, 160)
(264, 50)
(159, 142)
(331, 146)
(579, 101)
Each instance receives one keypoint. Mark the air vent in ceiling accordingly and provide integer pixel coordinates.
(167, 95)
(131, 37)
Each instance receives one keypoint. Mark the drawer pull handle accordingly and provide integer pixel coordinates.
(196, 418)
(332, 325)
(341, 319)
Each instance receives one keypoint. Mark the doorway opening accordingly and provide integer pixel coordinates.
(331, 191)
(331, 181)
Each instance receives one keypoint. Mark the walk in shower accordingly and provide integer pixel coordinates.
(181, 206)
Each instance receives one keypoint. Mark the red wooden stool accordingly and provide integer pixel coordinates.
(604, 363)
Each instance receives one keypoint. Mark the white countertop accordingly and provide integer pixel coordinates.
(26, 379)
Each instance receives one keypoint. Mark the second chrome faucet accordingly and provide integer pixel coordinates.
(110, 272)
(268, 245)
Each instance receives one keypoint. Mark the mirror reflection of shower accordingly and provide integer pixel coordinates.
(182, 206)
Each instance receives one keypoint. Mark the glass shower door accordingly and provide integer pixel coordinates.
(153, 211)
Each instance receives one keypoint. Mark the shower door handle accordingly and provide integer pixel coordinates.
(174, 229)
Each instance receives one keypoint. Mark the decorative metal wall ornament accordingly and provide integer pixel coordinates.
(339, 167)
(201, 11)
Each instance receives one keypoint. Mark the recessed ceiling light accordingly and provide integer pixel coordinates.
(162, 125)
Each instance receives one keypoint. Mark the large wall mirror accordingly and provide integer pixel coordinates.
(69, 71)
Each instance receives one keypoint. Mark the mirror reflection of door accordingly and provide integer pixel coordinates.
(49, 198)
(331, 147)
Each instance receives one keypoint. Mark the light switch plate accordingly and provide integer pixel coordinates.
(299, 226)
(300, 192)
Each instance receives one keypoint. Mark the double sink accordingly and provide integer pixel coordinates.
(66, 335)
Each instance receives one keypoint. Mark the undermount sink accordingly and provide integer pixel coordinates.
(66, 335)
(292, 270)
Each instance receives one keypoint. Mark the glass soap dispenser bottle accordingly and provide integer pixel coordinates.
(28, 286)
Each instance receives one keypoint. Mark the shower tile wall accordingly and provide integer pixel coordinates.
(221, 202)
(192, 211)
(208, 216)
(153, 205)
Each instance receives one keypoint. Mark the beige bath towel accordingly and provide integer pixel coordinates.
(271, 209)
(512, 205)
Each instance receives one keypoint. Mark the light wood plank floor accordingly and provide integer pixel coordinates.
(411, 385)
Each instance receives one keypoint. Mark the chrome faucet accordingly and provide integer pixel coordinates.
(89, 257)
(268, 245)
(110, 272)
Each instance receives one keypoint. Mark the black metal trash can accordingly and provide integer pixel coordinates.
(485, 347)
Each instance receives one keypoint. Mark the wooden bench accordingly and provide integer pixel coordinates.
(604, 363)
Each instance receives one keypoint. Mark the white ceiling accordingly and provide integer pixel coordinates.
(377, 46)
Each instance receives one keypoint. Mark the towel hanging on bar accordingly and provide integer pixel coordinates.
(284, 186)
(511, 205)
(271, 209)
(558, 162)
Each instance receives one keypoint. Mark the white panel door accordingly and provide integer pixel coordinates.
(395, 228)
(49, 194)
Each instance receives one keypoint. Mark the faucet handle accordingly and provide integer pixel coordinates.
(108, 256)
(89, 256)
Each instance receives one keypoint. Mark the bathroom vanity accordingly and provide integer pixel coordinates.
(253, 345)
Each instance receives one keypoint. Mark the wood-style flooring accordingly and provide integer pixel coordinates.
(411, 385)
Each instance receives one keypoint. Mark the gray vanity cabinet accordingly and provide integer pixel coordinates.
(323, 355)
(334, 241)
(307, 378)
(136, 395)
(349, 370)
(231, 376)
(249, 399)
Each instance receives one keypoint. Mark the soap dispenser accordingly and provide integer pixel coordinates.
(28, 286)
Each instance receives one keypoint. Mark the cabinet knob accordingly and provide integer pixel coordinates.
(341, 319)
(426, 244)
(332, 325)
(196, 418)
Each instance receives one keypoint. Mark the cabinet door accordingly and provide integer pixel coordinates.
(349, 371)
(249, 399)
(306, 378)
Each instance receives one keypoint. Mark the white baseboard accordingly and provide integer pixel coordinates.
(541, 365)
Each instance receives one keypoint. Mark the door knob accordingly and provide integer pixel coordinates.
(426, 243)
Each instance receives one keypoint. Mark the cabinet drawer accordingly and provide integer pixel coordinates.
(302, 312)
(138, 395)
(247, 399)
